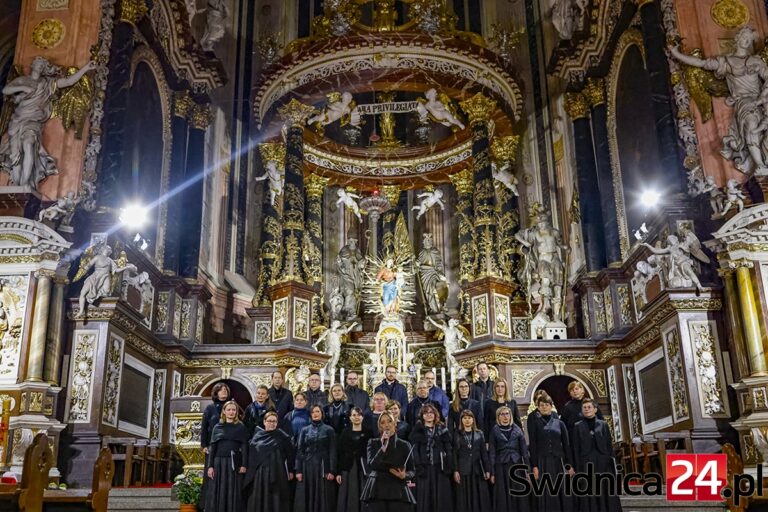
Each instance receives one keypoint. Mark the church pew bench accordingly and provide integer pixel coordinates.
(96, 499)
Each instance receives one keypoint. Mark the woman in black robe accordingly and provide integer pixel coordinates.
(352, 444)
(462, 402)
(227, 456)
(550, 455)
(337, 411)
(254, 413)
(390, 459)
(270, 468)
(500, 397)
(507, 449)
(316, 466)
(403, 428)
(433, 456)
(471, 466)
(220, 394)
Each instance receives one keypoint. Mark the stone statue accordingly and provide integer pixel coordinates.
(340, 107)
(543, 271)
(504, 176)
(715, 195)
(678, 267)
(99, 283)
(21, 152)
(438, 108)
(63, 209)
(348, 200)
(434, 284)
(215, 19)
(333, 337)
(275, 177)
(336, 304)
(455, 338)
(733, 195)
(428, 200)
(350, 264)
(565, 16)
(745, 74)
(644, 272)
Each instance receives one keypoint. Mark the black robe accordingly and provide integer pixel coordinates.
(592, 445)
(357, 397)
(507, 449)
(433, 456)
(454, 416)
(403, 430)
(254, 416)
(382, 487)
(571, 414)
(336, 414)
(211, 416)
(283, 400)
(227, 453)
(270, 459)
(482, 391)
(316, 397)
(550, 453)
(353, 467)
(371, 423)
(413, 411)
(489, 415)
(470, 460)
(315, 458)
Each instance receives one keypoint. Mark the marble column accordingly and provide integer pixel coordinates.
(36, 358)
(55, 336)
(733, 315)
(594, 91)
(271, 230)
(589, 192)
(465, 211)
(313, 235)
(750, 319)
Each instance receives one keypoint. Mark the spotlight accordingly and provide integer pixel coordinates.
(134, 216)
(650, 198)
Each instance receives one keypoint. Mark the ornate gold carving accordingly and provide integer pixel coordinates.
(480, 325)
(463, 181)
(597, 378)
(296, 113)
(503, 324)
(707, 368)
(601, 322)
(521, 379)
(608, 301)
(161, 316)
(613, 395)
(273, 152)
(594, 91)
(432, 357)
(182, 104)
(479, 108)
(576, 105)
(504, 149)
(585, 317)
(314, 185)
(132, 11)
(759, 398)
(630, 385)
(201, 116)
(158, 392)
(625, 306)
(52, 5)
(300, 319)
(193, 381)
(280, 319)
(356, 357)
(730, 13)
(49, 33)
(81, 379)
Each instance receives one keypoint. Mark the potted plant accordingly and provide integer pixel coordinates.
(187, 489)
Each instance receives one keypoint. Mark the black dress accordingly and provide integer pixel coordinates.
(283, 400)
(470, 459)
(352, 447)
(507, 449)
(550, 452)
(571, 414)
(336, 414)
(227, 453)
(403, 430)
(371, 423)
(211, 416)
(315, 458)
(270, 459)
(433, 456)
(489, 415)
(592, 445)
(454, 416)
(384, 492)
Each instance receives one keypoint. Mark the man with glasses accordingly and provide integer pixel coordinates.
(280, 396)
(393, 389)
(315, 396)
(482, 390)
(356, 397)
(436, 394)
(420, 400)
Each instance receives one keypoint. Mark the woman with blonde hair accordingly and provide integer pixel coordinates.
(378, 407)
(227, 456)
(336, 412)
(403, 428)
(500, 397)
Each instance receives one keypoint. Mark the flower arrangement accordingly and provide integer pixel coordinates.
(187, 488)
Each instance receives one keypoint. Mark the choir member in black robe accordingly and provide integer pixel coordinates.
(403, 428)
(483, 387)
(355, 396)
(571, 413)
(462, 402)
(270, 468)
(433, 456)
(352, 447)
(533, 410)
(391, 464)
(337, 411)
(507, 449)
(298, 418)
(592, 445)
(220, 395)
(227, 456)
(315, 395)
(316, 466)
(550, 455)
(371, 418)
(280, 396)
(413, 412)
(499, 398)
(254, 413)
(471, 466)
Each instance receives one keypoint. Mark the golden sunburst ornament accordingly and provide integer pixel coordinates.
(48, 34)
(730, 13)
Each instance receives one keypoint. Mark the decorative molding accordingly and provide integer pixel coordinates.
(80, 390)
(176, 389)
(15, 296)
(613, 395)
(111, 401)
(708, 367)
(161, 317)
(301, 319)
(730, 14)
(633, 406)
(48, 33)
(521, 379)
(480, 321)
(192, 382)
(676, 373)
(158, 403)
(280, 319)
(608, 302)
(597, 378)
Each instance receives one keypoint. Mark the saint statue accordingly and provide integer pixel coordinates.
(22, 153)
(565, 16)
(434, 283)
(350, 264)
(438, 108)
(99, 283)
(390, 287)
(215, 19)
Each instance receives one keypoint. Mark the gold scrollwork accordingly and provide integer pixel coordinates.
(49, 33)
(479, 108)
(730, 13)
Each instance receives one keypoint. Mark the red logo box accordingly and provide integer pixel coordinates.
(696, 477)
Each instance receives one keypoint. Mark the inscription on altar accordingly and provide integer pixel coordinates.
(52, 5)
(394, 107)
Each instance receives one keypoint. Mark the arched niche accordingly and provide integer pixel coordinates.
(243, 390)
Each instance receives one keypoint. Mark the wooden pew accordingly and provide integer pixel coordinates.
(736, 467)
(95, 500)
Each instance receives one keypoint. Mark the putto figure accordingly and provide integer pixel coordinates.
(63, 208)
(733, 196)
(348, 200)
(99, 283)
(428, 200)
(333, 337)
(275, 177)
(505, 177)
(438, 109)
(341, 107)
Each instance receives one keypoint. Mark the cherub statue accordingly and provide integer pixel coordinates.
(340, 107)
(455, 338)
(348, 200)
(438, 108)
(99, 283)
(275, 177)
(333, 337)
(733, 195)
(680, 271)
(715, 195)
(63, 208)
(504, 176)
(428, 200)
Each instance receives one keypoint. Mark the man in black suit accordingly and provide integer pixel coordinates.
(315, 396)
(357, 397)
(280, 396)
(482, 390)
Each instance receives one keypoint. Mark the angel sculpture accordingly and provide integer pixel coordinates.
(679, 269)
(428, 200)
(22, 154)
(215, 24)
(644, 272)
(348, 200)
(505, 177)
(455, 338)
(341, 107)
(275, 177)
(439, 109)
(63, 208)
(733, 195)
(333, 337)
(715, 195)
(100, 283)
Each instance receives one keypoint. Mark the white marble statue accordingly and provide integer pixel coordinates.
(715, 195)
(99, 283)
(733, 196)
(215, 24)
(22, 154)
(565, 16)
(504, 176)
(437, 107)
(335, 304)
(428, 200)
(276, 177)
(644, 272)
(350, 264)
(63, 209)
(338, 108)
(434, 282)
(455, 338)
(678, 266)
(348, 200)
(333, 337)
(746, 75)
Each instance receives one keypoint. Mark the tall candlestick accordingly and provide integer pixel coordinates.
(453, 377)
(322, 379)
(442, 377)
(341, 380)
(365, 378)
(333, 379)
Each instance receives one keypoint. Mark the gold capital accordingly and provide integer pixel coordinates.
(272, 152)
(392, 193)
(594, 91)
(200, 116)
(576, 105)
(131, 11)
(463, 181)
(504, 149)
(314, 185)
(296, 113)
(182, 103)
(479, 108)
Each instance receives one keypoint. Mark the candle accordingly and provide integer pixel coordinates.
(442, 377)
(322, 379)
(453, 377)
(333, 379)
(341, 380)
(365, 378)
